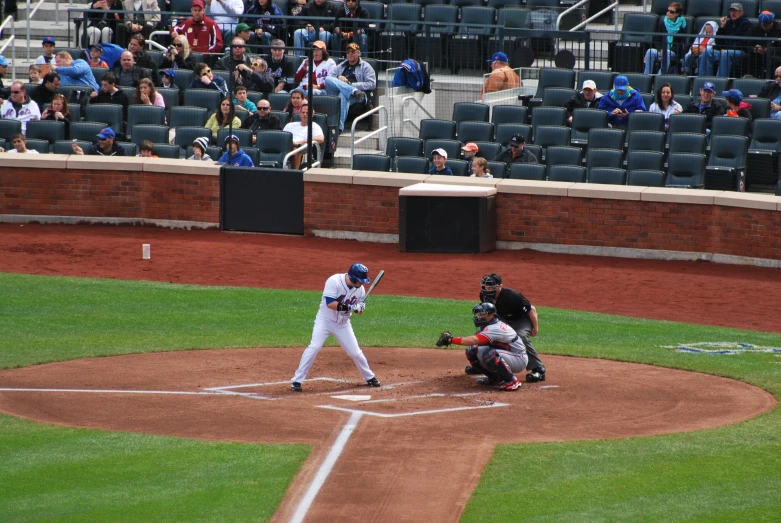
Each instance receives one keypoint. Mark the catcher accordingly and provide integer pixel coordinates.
(496, 350)
(515, 309)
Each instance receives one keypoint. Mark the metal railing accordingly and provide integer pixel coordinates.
(367, 114)
(409, 121)
(9, 20)
(584, 23)
(301, 148)
(30, 15)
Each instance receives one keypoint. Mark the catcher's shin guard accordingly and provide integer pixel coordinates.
(491, 361)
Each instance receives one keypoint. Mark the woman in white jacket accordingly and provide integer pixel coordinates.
(664, 104)
(703, 41)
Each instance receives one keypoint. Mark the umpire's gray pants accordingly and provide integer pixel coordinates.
(524, 329)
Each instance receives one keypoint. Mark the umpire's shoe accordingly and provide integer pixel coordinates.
(374, 382)
(536, 375)
(296, 387)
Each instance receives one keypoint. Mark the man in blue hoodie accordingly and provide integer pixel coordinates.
(727, 50)
(73, 72)
(620, 102)
(233, 155)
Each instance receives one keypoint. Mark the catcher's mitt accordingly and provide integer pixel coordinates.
(444, 339)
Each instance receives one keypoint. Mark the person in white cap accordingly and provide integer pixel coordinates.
(587, 98)
(438, 158)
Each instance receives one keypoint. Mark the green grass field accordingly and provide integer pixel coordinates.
(62, 474)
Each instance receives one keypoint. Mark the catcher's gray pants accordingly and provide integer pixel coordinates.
(524, 329)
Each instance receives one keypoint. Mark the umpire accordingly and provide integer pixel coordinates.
(518, 313)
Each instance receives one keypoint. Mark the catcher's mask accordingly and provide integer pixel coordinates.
(483, 313)
(490, 286)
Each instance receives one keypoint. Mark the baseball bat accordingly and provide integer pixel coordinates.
(374, 283)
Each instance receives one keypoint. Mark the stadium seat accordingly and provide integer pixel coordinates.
(567, 173)
(445, 18)
(273, 146)
(434, 128)
(400, 146)
(157, 134)
(721, 125)
(597, 158)
(84, 131)
(410, 164)
(278, 101)
(606, 175)
(488, 150)
(49, 130)
(553, 77)
(497, 169)
(112, 114)
(451, 147)
(644, 121)
(645, 141)
(548, 135)
(648, 160)
(475, 131)
(184, 78)
(187, 115)
(583, 121)
(556, 116)
(640, 82)
(514, 114)
(469, 46)
(680, 84)
(607, 138)
(557, 96)
(694, 143)
(459, 167)
(726, 168)
(470, 111)
(646, 178)
(42, 146)
(186, 134)
(164, 150)
(371, 162)
(697, 8)
(527, 171)
(685, 170)
(171, 97)
(563, 155)
(66, 146)
(244, 136)
(760, 108)
(144, 114)
(209, 99)
(603, 79)
(505, 131)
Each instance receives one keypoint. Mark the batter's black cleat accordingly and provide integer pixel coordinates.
(374, 382)
(536, 375)
(473, 370)
(296, 387)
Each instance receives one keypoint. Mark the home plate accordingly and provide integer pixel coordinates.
(353, 397)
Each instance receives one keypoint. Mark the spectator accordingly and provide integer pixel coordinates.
(244, 32)
(516, 152)
(106, 145)
(34, 74)
(294, 7)
(101, 26)
(480, 169)
(438, 158)
(44, 93)
(135, 22)
(664, 104)
(620, 102)
(178, 55)
(772, 91)
(238, 56)
(767, 37)
(587, 98)
(262, 120)
(223, 118)
(199, 150)
(146, 94)
(324, 66)
(73, 72)
(277, 63)
(470, 151)
(300, 132)
(20, 145)
(202, 33)
(48, 45)
(351, 80)
(128, 74)
(19, 107)
(703, 41)
(167, 77)
(136, 46)
(233, 155)
(224, 13)
(205, 79)
(727, 50)
(737, 108)
(671, 25)
(260, 78)
(348, 27)
(109, 93)
(502, 77)
(307, 34)
(295, 103)
(706, 105)
(4, 92)
(58, 111)
(241, 102)
(146, 149)
(268, 26)
(96, 56)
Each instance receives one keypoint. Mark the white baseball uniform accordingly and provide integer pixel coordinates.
(329, 321)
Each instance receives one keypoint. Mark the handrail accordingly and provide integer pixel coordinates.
(567, 11)
(10, 19)
(299, 149)
(401, 111)
(585, 22)
(29, 17)
(355, 142)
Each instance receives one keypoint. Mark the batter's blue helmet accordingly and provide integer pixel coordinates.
(358, 273)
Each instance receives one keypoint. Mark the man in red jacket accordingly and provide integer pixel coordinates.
(203, 34)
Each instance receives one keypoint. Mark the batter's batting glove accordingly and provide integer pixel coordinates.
(444, 339)
(358, 308)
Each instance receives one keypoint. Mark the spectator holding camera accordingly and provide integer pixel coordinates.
(178, 55)
(237, 58)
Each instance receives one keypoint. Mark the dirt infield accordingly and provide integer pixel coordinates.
(420, 419)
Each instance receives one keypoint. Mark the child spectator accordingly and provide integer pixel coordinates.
(439, 157)
(241, 102)
(167, 79)
(199, 150)
(96, 56)
(48, 45)
(34, 74)
(146, 149)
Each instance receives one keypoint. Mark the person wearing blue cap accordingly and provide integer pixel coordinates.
(502, 76)
(706, 105)
(4, 91)
(767, 35)
(620, 102)
(737, 108)
(727, 50)
(48, 45)
(167, 77)
(106, 145)
(233, 154)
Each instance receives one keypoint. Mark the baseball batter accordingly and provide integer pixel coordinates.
(496, 350)
(515, 309)
(343, 296)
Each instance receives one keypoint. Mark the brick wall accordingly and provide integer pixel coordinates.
(348, 207)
